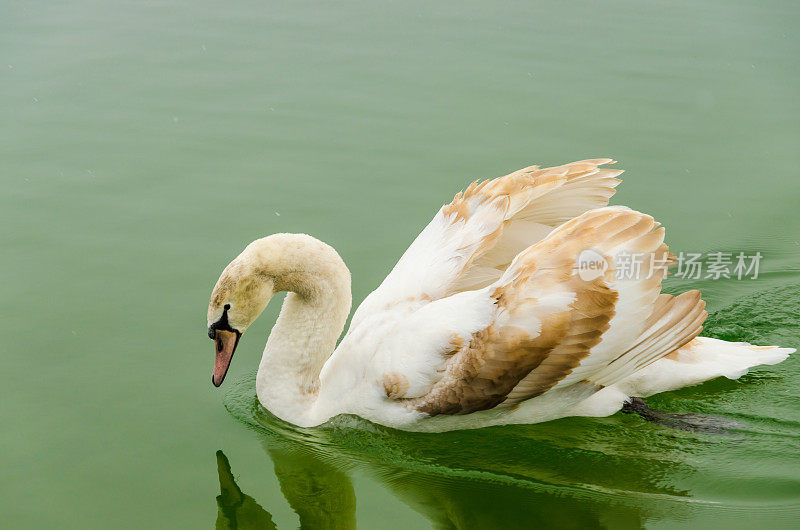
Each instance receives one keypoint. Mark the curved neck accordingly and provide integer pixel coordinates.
(311, 319)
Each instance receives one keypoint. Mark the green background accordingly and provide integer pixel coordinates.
(143, 144)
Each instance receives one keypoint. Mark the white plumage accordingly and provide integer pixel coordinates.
(490, 316)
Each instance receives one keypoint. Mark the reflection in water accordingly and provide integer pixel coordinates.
(235, 510)
(620, 472)
(322, 496)
(525, 477)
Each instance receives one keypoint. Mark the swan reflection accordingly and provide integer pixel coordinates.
(576, 473)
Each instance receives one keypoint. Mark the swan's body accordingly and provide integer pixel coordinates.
(490, 317)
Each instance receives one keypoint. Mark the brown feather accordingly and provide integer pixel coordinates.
(504, 364)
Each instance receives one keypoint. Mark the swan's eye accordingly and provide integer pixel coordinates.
(227, 306)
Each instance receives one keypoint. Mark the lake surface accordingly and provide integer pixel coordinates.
(143, 144)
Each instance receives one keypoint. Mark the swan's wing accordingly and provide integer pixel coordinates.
(472, 240)
(546, 322)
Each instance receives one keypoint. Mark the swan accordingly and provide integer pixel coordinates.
(508, 308)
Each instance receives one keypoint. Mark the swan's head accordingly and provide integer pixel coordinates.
(280, 262)
(242, 292)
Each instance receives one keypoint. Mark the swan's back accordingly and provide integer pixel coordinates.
(520, 293)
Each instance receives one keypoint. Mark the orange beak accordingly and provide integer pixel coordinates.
(224, 346)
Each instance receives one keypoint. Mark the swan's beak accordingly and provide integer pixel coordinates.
(224, 345)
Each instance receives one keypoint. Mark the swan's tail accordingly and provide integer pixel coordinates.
(700, 360)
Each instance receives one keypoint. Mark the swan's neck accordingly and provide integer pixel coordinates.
(311, 319)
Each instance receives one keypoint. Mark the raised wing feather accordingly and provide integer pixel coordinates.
(472, 240)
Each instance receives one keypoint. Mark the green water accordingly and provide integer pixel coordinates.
(144, 143)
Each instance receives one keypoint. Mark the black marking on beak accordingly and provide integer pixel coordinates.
(222, 324)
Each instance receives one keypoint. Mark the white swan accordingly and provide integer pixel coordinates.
(492, 315)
